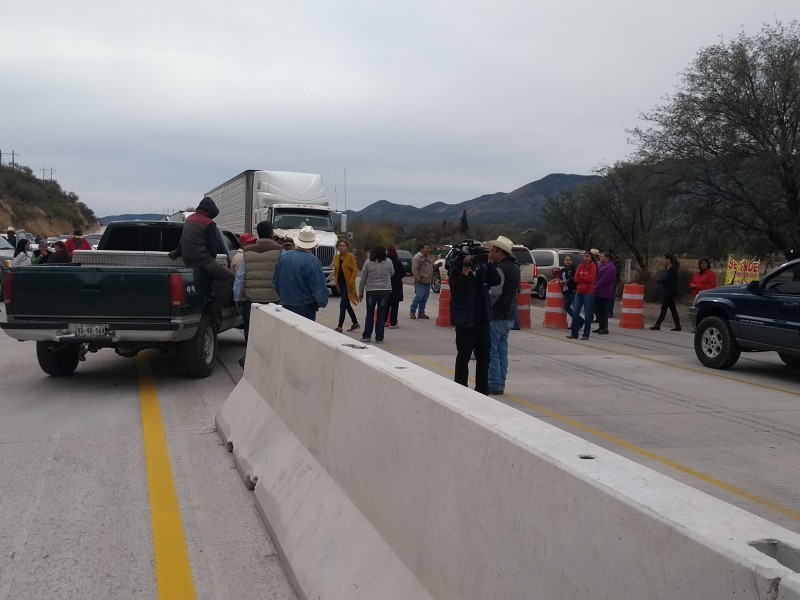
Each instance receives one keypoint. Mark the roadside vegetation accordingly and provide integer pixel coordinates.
(39, 206)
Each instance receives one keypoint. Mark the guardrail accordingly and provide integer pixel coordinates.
(379, 479)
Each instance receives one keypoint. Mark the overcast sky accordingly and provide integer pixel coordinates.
(145, 106)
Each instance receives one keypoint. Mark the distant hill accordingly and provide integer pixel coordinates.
(40, 206)
(131, 217)
(522, 207)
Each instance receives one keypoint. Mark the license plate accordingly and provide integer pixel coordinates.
(90, 330)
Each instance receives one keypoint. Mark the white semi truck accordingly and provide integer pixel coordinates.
(288, 200)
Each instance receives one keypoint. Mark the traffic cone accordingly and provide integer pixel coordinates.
(524, 305)
(632, 306)
(554, 315)
(443, 318)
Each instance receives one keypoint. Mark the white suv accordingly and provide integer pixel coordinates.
(549, 258)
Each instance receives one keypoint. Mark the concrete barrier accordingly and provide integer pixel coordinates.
(378, 479)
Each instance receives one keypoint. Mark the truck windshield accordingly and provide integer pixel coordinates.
(299, 219)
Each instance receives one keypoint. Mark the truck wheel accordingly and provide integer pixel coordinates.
(541, 290)
(200, 352)
(715, 345)
(59, 362)
(791, 360)
(436, 283)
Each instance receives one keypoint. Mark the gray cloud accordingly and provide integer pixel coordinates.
(148, 105)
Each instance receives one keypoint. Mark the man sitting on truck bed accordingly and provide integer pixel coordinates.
(199, 246)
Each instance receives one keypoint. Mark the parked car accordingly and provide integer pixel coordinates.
(405, 257)
(546, 260)
(762, 315)
(528, 268)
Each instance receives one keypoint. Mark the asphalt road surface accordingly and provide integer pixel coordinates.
(96, 469)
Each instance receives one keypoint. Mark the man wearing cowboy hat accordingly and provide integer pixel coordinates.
(11, 236)
(299, 280)
(504, 299)
(77, 242)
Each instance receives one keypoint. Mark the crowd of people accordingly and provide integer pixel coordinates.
(61, 253)
(484, 285)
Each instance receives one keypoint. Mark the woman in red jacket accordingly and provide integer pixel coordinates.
(704, 279)
(585, 276)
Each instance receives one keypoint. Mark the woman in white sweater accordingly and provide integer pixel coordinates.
(22, 254)
(376, 280)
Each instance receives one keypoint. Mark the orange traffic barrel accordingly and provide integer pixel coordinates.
(443, 318)
(632, 306)
(554, 315)
(524, 305)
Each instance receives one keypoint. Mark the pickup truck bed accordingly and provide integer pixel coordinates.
(126, 300)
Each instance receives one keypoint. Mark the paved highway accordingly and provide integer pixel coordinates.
(114, 483)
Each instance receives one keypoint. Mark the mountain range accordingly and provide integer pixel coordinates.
(522, 207)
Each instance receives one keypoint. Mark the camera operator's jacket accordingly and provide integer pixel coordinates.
(464, 290)
(504, 294)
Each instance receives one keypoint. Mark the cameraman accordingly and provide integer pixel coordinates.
(471, 276)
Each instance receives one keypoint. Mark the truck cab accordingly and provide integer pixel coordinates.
(760, 316)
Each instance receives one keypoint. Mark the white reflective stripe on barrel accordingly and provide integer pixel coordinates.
(633, 310)
(633, 296)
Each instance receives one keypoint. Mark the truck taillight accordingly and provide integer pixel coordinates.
(176, 296)
(8, 287)
(535, 270)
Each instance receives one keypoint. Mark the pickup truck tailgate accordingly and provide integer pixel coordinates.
(91, 293)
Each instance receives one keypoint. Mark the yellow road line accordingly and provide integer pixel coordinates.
(173, 571)
(713, 481)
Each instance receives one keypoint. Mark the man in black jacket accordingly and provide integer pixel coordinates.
(470, 279)
(200, 243)
(504, 298)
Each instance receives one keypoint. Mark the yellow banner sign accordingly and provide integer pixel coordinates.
(741, 271)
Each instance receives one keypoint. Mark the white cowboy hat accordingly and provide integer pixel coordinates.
(503, 243)
(306, 238)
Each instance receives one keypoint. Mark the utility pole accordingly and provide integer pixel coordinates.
(13, 159)
(43, 170)
(51, 175)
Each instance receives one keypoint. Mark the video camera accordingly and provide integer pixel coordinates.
(473, 248)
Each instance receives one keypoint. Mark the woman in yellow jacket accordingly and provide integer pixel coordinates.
(344, 273)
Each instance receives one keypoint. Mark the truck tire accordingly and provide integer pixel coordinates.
(715, 345)
(436, 283)
(199, 353)
(541, 289)
(791, 360)
(60, 362)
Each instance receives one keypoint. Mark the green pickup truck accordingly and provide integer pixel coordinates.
(127, 295)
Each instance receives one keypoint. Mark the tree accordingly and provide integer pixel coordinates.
(463, 228)
(730, 138)
(570, 215)
(635, 209)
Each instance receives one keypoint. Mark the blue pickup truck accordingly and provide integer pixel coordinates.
(128, 295)
(760, 316)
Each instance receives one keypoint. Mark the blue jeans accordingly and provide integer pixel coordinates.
(586, 302)
(381, 300)
(498, 356)
(569, 298)
(421, 293)
(309, 311)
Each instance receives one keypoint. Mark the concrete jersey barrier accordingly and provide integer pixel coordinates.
(379, 479)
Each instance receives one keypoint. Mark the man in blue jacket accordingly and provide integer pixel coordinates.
(299, 279)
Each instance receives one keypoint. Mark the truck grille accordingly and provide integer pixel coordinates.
(325, 255)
